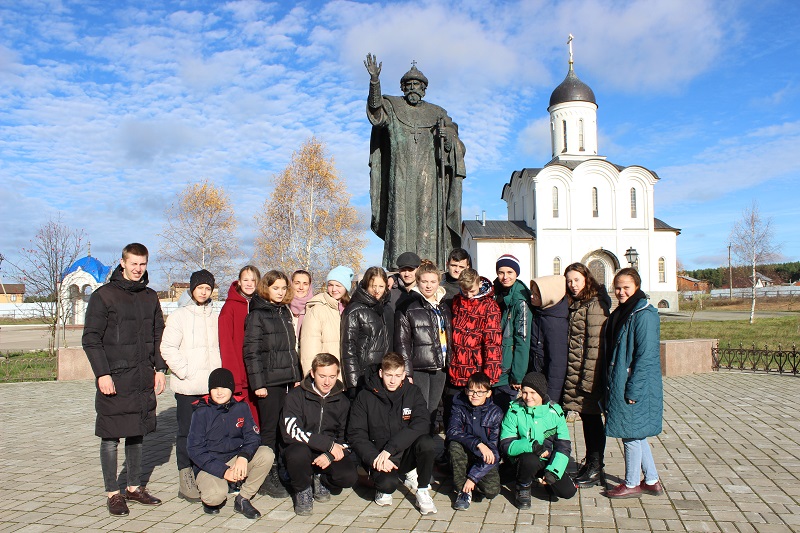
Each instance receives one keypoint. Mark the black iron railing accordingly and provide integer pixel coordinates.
(753, 359)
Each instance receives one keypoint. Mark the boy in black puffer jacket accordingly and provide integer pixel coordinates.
(314, 417)
(224, 445)
(388, 429)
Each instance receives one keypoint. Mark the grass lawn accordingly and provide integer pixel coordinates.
(29, 366)
(770, 331)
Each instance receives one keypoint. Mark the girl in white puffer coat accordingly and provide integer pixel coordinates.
(190, 347)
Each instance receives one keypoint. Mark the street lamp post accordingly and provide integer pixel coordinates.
(632, 256)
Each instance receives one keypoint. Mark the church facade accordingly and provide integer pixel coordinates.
(580, 207)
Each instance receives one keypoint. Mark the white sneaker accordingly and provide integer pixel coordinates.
(425, 502)
(383, 499)
(411, 481)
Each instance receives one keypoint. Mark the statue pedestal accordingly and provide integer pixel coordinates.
(686, 356)
(73, 365)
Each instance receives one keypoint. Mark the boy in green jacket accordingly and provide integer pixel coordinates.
(535, 435)
(514, 298)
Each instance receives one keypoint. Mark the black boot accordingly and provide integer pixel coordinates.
(272, 485)
(591, 473)
(523, 496)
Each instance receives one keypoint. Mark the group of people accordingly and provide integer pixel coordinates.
(285, 393)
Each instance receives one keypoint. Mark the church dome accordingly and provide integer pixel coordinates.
(572, 89)
(91, 266)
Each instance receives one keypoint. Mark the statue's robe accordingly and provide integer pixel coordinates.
(413, 210)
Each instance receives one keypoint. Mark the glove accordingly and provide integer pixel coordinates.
(537, 448)
(550, 477)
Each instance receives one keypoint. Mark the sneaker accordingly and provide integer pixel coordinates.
(383, 499)
(522, 498)
(462, 501)
(272, 485)
(412, 480)
(321, 492)
(304, 502)
(425, 502)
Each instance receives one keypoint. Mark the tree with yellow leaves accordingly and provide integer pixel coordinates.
(308, 221)
(200, 232)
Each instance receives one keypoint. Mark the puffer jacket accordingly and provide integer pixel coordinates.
(310, 419)
(634, 373)
(477, 337)
(584, 386)
(321, 330)
(366, 334)
(472, 425)
(550, 334)
(122, 338)
(526, 428)
(190, 347)
(515, 312)
(269, 345)
(231, 335)
(382, 420)
(418, 323)
(220, 432)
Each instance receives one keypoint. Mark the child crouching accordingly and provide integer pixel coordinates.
(225, 446)
(473, 432)
(535, 435)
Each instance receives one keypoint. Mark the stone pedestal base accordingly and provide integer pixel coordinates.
(73, 365)
(686, 356)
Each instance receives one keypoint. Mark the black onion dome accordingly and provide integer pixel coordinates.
(572, 89)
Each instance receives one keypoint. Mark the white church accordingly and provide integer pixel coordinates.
(580, 207)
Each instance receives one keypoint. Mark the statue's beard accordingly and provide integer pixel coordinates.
(414, 97)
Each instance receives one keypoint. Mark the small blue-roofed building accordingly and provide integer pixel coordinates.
(78, 282)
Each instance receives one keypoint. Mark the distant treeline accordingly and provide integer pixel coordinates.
(718, 277)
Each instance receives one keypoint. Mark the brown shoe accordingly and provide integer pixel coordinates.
(140, 495)
(654, 490)
(117, 506)
(623, 491)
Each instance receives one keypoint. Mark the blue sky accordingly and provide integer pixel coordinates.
(108, 109)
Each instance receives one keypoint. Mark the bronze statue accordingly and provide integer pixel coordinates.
(416, 167)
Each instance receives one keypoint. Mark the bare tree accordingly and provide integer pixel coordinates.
(54, 248)
(752, 244)
(308, 221)
(200, 232)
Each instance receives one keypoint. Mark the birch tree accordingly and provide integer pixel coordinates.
(752, 244)
(200, 231)
(308, 221)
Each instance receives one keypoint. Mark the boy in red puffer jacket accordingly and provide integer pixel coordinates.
(477, 336)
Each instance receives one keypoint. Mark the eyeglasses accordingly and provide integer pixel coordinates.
(478, 393)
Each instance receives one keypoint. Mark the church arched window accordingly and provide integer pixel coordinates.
(662, 270)
(580, 135)
(556, 266)
(555, 202)
(564, 125)
(633, 202)
(595, 203)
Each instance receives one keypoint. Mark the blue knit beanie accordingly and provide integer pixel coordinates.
(508, 260)
(343, 275)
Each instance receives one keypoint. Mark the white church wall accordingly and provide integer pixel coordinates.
(488, 251)
(589, 177)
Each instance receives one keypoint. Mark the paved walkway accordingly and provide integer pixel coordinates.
(729, 458)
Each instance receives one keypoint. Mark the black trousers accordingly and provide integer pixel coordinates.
(594, 436)
(183, 412)
(419, 455)
(298, 458)
(269, 413)
(529, 466)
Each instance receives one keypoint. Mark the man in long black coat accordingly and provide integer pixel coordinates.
(122, 338)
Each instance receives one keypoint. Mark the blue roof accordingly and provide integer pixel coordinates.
(90, 265)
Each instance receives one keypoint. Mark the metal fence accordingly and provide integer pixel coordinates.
(753, 359)
(26, 367)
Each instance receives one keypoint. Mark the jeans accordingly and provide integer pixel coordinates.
(462, 461)
(133, 462)
(214, 490)
(639, 459)
(419, 455)
(183, 413)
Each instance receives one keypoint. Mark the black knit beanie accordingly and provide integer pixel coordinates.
(537, 382)
(221, 377)
(201, 277)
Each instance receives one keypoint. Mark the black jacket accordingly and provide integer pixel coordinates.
(269, 349)
(382, 420)
(310, 419)
(550, 345)
(367, 334)
(122, 338)
(416, 333)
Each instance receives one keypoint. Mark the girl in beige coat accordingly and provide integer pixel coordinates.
(321, 331)
(190, 347)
